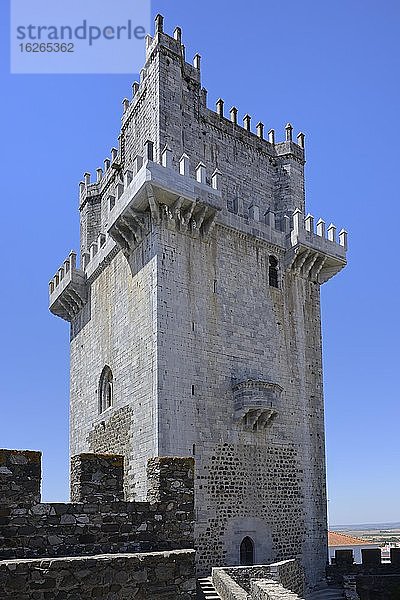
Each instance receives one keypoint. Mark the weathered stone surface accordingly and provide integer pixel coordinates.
(267, 589)
(284, 580)
(371, 580)
(203, 275)
(20, 478)
(97, 478)
(107, 524)
(155, 576)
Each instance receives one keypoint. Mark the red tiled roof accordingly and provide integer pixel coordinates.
(341, 539)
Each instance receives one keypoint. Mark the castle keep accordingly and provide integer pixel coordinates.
(195, 316)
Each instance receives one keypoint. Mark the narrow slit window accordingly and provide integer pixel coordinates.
(273, 278)
(105, 389)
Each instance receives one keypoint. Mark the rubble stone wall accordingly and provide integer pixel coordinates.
(158, 575)
(284, 579)
(98, 521)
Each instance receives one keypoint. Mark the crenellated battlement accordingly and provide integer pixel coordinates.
(316, 253)
(97, 520)
(188, 197)
(67, 289)
(275, 148)
(370, 557)
(158, 191)
(20, 477)
(90, 190)
(161, 42)
(373, 573)
(303, 228)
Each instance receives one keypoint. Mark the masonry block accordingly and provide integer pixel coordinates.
(344, 557)
(97, 478)
(371, 556)
(395, 556)
(170, 479)
(20, 477)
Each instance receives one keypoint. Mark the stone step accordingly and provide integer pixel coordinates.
(206, 590)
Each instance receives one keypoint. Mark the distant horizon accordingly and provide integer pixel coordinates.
(369, 526)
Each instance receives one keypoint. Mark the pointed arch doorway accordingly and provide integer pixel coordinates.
(247, 551)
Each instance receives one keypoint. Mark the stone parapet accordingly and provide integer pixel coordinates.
(159, 191)
(68, 290)
(371, 565)
(97, 478)
(267, 589)
(281, 580)
(315, 255)
(171, 480)
(226, 587)
(373, 574)
(187, 198)
(98, 520)
(155, 576)
(20, 478)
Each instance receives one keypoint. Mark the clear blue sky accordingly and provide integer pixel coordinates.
(332, 69)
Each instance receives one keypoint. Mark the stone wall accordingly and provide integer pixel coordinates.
(20, 479)
(283, 580)
(151, 576)
(97, 478)
(288, 573)
(238, 582)
(265, 484)
(378, 586)
(98, 520)
(371, 580)
(119, 332)
(220, 323)
(227, 587)
(113, 435)
(271, 590)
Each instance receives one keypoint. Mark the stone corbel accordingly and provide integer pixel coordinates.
(154, 206)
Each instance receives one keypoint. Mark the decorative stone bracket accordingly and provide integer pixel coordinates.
(256, 404)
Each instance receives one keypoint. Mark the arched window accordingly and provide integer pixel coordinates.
(273, 272)
(247, 551)
(105, 389)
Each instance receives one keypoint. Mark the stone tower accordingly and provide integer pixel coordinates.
(195, 315)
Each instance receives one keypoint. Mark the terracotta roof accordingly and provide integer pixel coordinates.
(341, 539)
